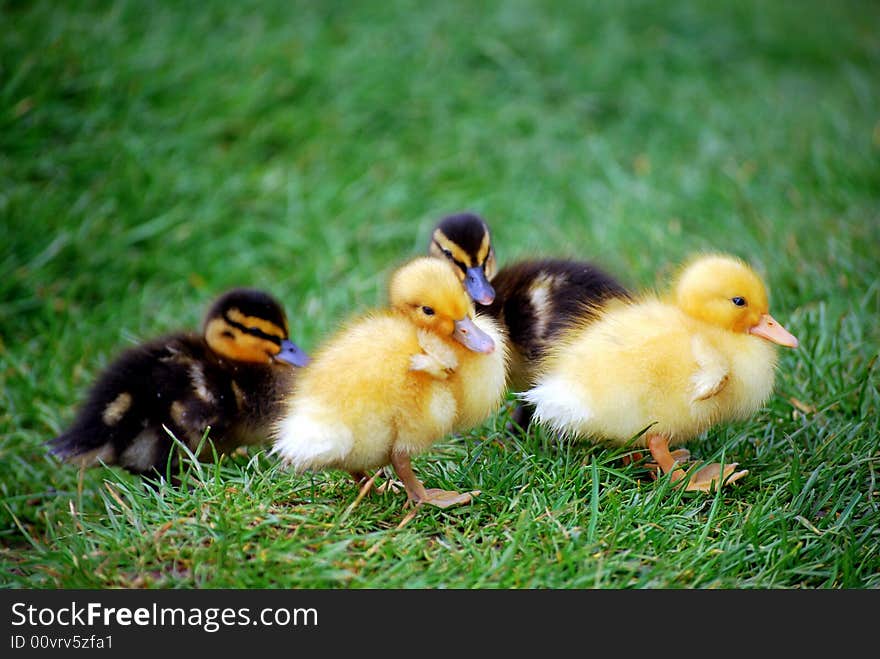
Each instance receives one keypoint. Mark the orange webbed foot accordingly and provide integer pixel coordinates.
(710, 477)
(703, 479)
(448, 498)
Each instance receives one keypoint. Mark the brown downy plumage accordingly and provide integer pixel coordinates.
(228, 379)
(538, 299)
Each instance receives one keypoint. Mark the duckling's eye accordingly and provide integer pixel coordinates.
(447, 253)
(428, 311)
(227, 334)
(738, 301)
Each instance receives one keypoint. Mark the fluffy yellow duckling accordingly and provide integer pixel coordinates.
(680, 365)
(395, 381)
(230, 378)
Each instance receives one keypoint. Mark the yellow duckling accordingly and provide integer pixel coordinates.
(395, 381)
(229, 378)
(679, 365)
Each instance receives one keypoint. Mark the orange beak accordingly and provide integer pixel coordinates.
(768, 328)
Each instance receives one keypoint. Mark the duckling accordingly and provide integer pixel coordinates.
(533, 299)
(391, 383)
(676, 365)
(463, 239)
(229, 378)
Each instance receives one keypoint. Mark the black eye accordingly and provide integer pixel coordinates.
(447, 253)
(738, 301)
(428, 311)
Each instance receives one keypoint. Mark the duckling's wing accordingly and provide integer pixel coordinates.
(437, 359)
(712, 370)
(430, 365)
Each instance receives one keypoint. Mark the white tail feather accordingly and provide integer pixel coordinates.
(558, 406)
(306, 441)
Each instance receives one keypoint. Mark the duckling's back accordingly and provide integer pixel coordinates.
(364, 364)
(117, 424)
(176, 382)
(640, 364)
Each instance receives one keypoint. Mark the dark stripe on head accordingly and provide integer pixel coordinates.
(449, 255)
(253, 331)
(249, 302)
(466, 230)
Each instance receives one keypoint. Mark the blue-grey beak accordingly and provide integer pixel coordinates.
(472, 337)
(292, 354)
(478, 287)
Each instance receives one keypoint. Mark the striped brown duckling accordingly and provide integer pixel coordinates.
(535, 299)
(229, 378)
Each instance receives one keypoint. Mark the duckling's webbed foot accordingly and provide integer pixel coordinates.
(362, 480)
(680, 455)
(447, 498)
(709, 477)
(704, 479)
(416, 492)
(358, 477)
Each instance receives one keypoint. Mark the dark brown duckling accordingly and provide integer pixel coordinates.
(230, 379)
(464, 240)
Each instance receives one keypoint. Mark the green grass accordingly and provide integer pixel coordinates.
(153, 154)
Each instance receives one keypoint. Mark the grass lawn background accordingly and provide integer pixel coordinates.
(154, 154)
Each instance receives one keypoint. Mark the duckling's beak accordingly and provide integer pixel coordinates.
(472, 337)
(770, 329)
(478, 287)
(292, 354)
